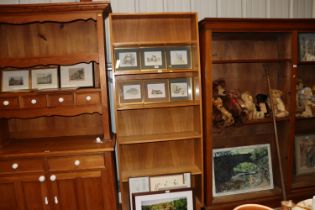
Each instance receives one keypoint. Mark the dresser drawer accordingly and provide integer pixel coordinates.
(34, 101)
(88, 98)
(54, 100)
(21, 165)
(76, 162)
(9, 103)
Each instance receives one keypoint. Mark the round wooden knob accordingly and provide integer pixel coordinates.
(53, 178)
(88, 98)
(61, 100)
(34, 101)
(41, 178)
(77, 162)
(6, 103)
(15, 166)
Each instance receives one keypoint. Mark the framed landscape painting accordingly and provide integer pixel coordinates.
(174, 199)
(305, 154)
(242, 169)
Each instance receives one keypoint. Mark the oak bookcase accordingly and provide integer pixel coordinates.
(157, 137)
(239, 50)
(49, 155)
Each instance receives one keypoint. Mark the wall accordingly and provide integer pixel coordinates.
(209, 8)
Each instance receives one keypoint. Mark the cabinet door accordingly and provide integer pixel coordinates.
(23, 193)
(78, 191)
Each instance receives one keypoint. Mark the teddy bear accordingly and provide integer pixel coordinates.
(236, 105)
(307, 103)
(222, 117)
(277, 103)
(251, 111)
(262, 104)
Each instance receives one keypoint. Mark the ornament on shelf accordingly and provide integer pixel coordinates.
(278, 105)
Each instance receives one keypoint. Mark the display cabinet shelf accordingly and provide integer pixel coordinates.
(257, 55)
(159, 137)
(251, 61)
(158, 105)
(55, 140)
(163, 136)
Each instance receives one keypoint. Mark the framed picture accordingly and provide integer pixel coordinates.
(179, 57)
(79, 75)
(127, 59)
(44, 78)
(305, 154)
(173, 199)
(306, 47)
(242, 169)
(137, 185)
(180, 89)
(156, 90)
(152, 58)
(130, 91)
(170, 181)
(13, 80)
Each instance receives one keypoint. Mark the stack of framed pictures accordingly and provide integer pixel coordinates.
(155, 90)
(72, 76)
(153, 58)
(165, 190)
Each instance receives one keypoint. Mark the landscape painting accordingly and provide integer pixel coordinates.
(242, 169)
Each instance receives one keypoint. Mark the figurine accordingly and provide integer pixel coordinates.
(278, 105)
(307, 103)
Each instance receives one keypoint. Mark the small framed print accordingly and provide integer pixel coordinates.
(152, 58)
(180, 89)
(170, 181)
(305, 154)
(79, 75)
(13, 80)
(45, 78)
(137, 185)
(179, 57)
(127, 59)
(173, 199)
(307, 47)
(156, 90)
(130, 92)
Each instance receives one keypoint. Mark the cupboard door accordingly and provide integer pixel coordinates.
(23, 193)
(78, 191)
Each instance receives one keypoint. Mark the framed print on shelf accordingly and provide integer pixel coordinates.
(137, 185)
(242, 169)
(13, 80)
(170, 181)
(305, 154)
(130, 92)
(306, 47)
(156, 90)
(180, 89)
(173, 199)
(79, 75)
(152, 58)
(44, 78)
(127, 59)
(179, 57)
